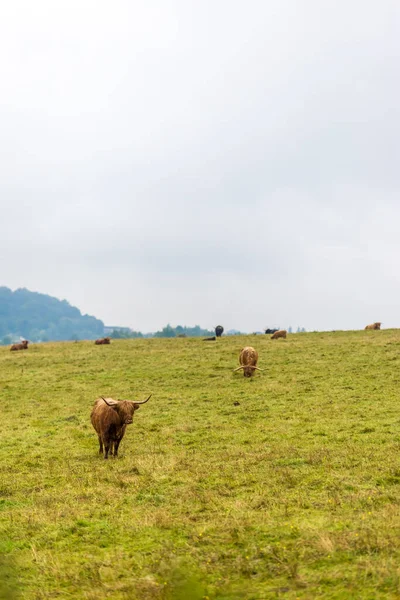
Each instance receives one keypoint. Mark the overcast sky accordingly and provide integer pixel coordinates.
(203, 161)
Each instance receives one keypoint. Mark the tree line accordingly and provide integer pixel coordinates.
(166, 332)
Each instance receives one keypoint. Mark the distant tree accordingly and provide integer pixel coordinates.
(290, 329)
(136, 334)
(124, 333)
(180, 330)
(116, 334)
(166, 332)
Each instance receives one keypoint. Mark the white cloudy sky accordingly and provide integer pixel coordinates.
(203, 161)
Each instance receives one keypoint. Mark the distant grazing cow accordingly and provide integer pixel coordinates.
(248, 358)
(109, 418)
(374, 326)
(210, 339)
(269, 331)
(105, 340)
(22, 346)
(279, 334)
(219, 330)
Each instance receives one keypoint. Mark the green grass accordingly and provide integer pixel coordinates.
(294, 493)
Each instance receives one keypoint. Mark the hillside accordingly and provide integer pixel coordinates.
(283, 485)
(39, 317)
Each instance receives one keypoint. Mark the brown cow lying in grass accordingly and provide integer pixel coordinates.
(248, 358)
(373, 326)
(279, 334)
(105, 340)
(109, 418)
(22, 346)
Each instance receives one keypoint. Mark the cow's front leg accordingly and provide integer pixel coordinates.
(106, 449)
(116, 446)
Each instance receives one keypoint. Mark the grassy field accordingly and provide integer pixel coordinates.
(292, 493)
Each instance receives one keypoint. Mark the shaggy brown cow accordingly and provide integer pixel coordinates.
(248, 358)
(373, 326)
(109, 418)
(22, 346)
(105, 340)
(279, 334)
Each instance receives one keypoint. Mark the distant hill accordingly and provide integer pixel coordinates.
(39, 317)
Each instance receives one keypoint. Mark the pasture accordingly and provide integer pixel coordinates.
(292, 493)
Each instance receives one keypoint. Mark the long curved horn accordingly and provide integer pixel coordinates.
(258, 368)
(144, 401)
(112, 403)
(238, 369)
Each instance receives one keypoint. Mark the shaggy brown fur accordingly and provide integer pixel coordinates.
(109, 418)
(22, 346)
(374, 326)
(279, 334)
(105, 340)
(248, 358)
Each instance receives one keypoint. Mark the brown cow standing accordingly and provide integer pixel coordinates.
(22, 346)
(279, 334)
(109, 418)
(105, 340)
(248, 358)
(373, 326)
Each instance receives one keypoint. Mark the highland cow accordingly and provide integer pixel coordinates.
(248, 358)
(101, 341)
(374, 326)
(22, 346)
(109, 418)
(279, 334)
(219, 330)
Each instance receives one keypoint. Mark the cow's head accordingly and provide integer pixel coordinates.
(248, 371)
(124, 408)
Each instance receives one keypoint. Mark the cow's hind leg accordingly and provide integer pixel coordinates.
(101, 445)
